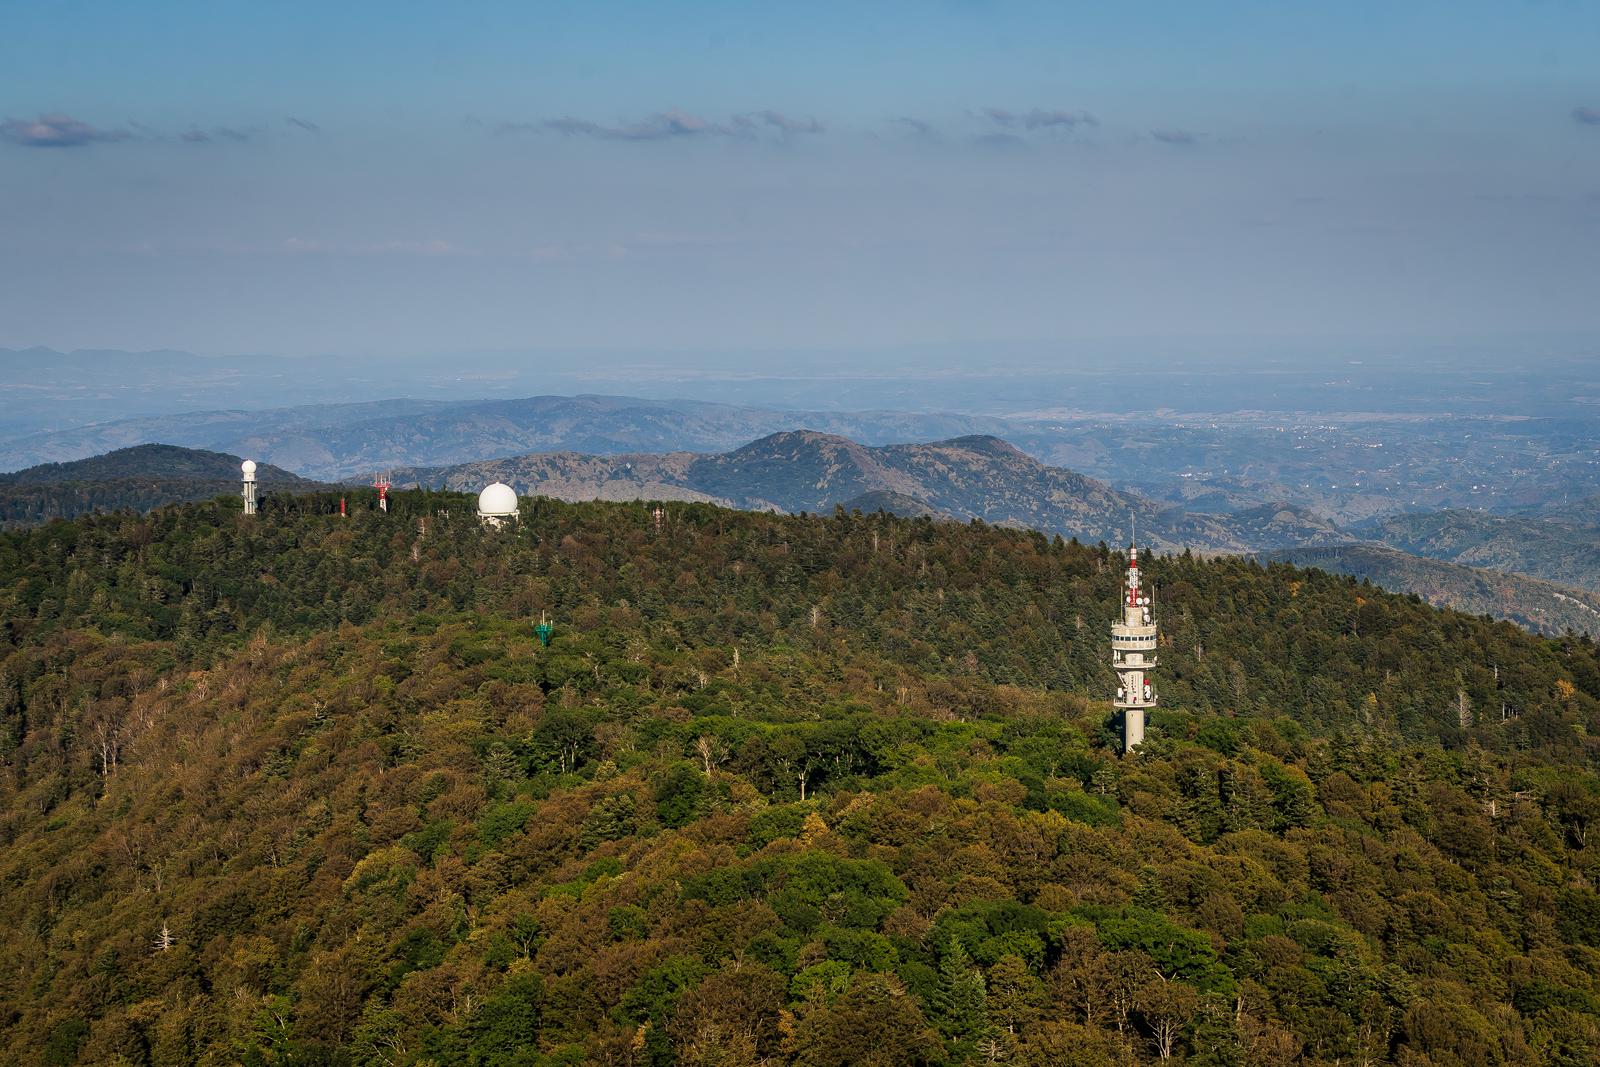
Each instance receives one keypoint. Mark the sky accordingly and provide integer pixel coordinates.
(398, 178)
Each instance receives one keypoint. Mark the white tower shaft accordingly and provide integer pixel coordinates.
(1133, 655)
(248, 472)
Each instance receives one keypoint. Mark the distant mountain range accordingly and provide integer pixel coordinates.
(351, 440)
(137, 478)
(1558, 550)
(1532, 602)
(958, 479)
(985, 478)
(969, 477)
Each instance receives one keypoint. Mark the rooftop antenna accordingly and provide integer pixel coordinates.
(248, 470)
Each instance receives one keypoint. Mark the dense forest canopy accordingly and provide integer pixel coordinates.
(819, 790)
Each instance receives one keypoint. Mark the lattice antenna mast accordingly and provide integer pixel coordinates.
(382, 483)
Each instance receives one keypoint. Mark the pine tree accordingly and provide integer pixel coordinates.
(961, 1000)
(1015, 996)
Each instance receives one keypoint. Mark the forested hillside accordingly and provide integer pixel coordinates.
(781, 789)
(1542, 606)
(138, 478)
(1557, 551)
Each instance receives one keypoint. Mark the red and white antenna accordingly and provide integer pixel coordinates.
(1134, 639)
(382, 483)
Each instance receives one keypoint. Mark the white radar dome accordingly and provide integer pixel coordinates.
(248, 466)
(498, 499)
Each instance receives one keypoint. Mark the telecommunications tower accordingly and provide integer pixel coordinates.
(1133, 654)
(248, 467)
(382, 483)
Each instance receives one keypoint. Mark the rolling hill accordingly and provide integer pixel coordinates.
(970, 477)
(1539, 605)
(1560, 551)
(137, 478)
(1582, 512)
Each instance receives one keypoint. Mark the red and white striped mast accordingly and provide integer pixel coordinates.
(1133, 653)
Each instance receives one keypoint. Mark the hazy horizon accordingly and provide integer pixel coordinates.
(299, 180)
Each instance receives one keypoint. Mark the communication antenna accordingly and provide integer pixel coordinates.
(1134, 639)
(382, 483)
(544, 631)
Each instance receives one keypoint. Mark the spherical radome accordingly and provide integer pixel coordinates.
(497, 499)
(248, 466)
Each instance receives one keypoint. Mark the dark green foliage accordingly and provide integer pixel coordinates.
(679, 795)
(61, 1048)
(505, 1031)
(960, 999)
(501, 821)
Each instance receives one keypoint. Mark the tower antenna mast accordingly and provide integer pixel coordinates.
(1133, 649)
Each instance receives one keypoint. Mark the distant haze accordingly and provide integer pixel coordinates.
(295, 179)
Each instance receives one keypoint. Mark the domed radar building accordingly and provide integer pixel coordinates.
(247, 471)
(497, 504)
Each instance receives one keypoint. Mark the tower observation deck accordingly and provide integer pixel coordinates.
(1133, 655)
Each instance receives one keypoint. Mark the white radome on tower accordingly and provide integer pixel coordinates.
(248, 475)
(497, 504)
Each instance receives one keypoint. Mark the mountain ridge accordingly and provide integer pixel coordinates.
(971, 476)
(345, 440)
(1565, 552)
(1534, 603)
(151, 460)
(138, 478)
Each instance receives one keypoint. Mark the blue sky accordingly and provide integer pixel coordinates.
(404, 178)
